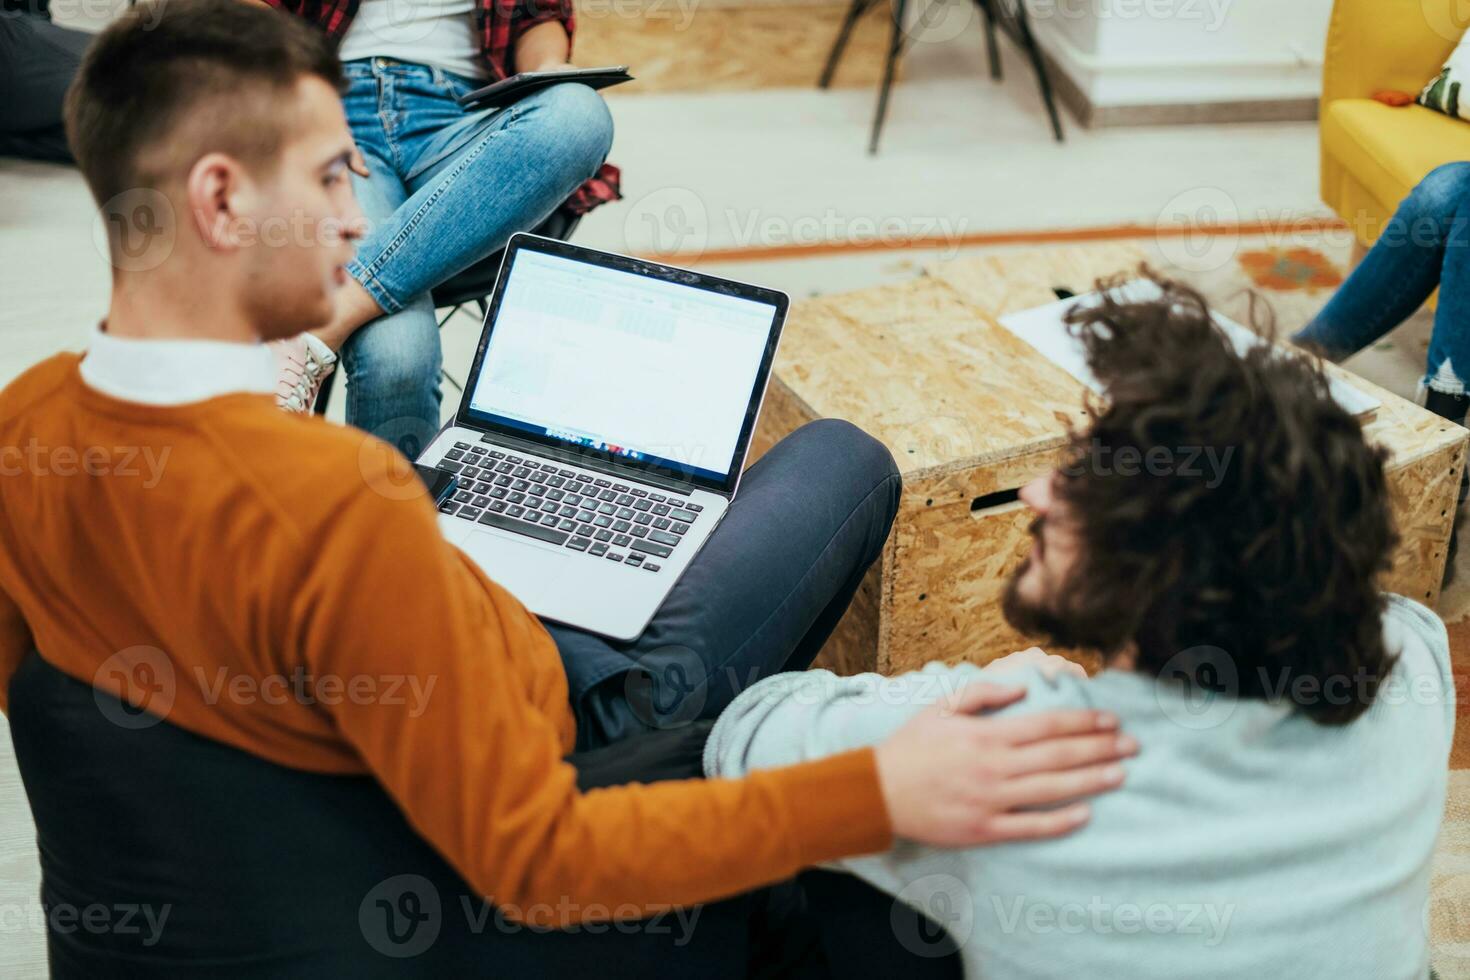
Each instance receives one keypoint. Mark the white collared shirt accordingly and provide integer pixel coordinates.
(175, 372)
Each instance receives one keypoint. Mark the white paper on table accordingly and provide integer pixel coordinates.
(1045, 329)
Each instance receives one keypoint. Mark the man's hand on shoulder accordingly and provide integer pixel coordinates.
(954, 778)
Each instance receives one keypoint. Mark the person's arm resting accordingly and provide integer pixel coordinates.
(543, 38)
(471, 752)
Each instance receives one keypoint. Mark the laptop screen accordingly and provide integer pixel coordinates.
(626, 361)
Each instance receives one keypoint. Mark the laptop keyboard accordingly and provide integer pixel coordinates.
(582, 512)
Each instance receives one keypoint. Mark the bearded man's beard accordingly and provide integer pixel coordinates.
(1031, 619)
(1045, 619)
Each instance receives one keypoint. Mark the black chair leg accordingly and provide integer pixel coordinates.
(484, 308)
(446, 318)
(324, 393)
(1028, 41)
(895, 45)
(854, 13)
(992, 39)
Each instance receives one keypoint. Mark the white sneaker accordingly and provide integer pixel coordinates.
(302, 364)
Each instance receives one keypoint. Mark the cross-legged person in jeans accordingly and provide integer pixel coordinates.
(1425, 246)
(441, 186)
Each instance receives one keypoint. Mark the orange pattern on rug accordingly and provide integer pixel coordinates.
(1288, 270)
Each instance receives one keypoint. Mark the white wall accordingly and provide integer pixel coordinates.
(1152, 52)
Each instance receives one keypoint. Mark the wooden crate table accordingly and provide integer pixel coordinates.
(971, 413)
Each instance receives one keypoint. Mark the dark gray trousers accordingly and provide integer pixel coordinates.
(37, 62)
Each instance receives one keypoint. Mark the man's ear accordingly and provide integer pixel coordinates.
(217, 193)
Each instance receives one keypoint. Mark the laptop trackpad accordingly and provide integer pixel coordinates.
(525, 570)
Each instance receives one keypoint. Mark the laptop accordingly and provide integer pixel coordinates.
(603, 428)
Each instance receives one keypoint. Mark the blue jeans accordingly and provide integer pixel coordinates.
(762, 595)
(1425, 245)
(449, 186)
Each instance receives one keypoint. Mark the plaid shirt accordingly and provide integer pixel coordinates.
(500, 24)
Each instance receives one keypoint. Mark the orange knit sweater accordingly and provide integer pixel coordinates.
(279, 584)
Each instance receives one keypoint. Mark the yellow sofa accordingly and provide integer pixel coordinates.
(1372, 154)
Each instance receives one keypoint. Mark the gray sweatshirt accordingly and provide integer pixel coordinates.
(1247, 841)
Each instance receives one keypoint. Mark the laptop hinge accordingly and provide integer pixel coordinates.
(601, 465)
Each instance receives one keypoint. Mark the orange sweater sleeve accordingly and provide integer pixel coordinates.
(448, 667)
(15, 643)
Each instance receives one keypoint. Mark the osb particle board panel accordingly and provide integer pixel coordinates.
(1426, 458)
(926, 373)
(1407, 431)
(1022, 279)
(1019, 279)
(946, 588)
(969, 410)
(950, 565)
(1424, 498)
(683, 46)
(782, 413)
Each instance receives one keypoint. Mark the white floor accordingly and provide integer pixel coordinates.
(960, 156)
(773, 169)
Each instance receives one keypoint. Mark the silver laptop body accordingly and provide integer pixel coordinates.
(603, 428)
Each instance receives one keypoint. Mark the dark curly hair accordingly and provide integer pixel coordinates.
(1270, 560)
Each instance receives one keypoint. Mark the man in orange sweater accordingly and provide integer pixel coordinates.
(278, 584)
